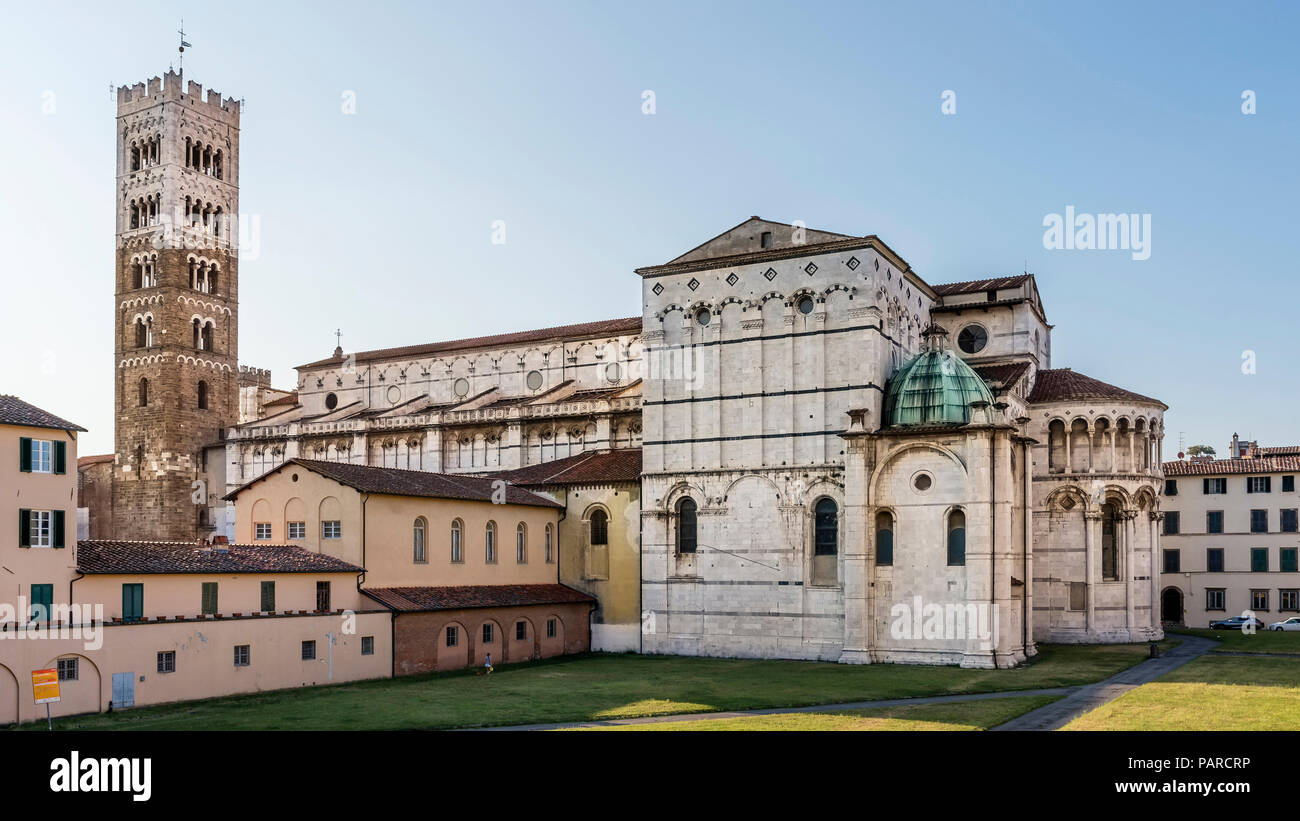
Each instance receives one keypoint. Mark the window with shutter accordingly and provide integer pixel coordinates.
(24, 528)
(209, 598)
(42, 601)
(268, 597)
(132, 602)
(58, 528)
(25, 455)
(60, 457)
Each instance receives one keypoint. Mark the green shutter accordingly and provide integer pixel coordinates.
(132, 602)
(209, 597)
(268, 597)
(1268, 484)
(25, 455)
(42, 601)
(24, 528)
(58, 528)
(60, 457)
(1205, 486)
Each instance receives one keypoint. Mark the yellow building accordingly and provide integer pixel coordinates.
(469, 566)
(600, 535)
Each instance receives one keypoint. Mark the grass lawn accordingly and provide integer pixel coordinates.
(602, 686)
(1210, 693)
(963, 715)
(1264, 641)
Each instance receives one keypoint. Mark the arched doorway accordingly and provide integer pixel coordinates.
(1171, 606)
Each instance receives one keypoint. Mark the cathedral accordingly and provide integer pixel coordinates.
(828, 457)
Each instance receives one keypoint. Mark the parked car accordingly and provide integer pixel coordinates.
(1236, 623)
(1292, 623)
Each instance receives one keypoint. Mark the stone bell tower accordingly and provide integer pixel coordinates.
(175, 302)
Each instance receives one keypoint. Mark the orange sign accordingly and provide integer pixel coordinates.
(45, 685)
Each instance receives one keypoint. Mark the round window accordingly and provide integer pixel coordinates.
(331, 401)
(613, 372)
(972, 339)
(533, 380)
(703, 316)
(806, 305)
(922, 482)
(394, 394)
(295, 477)
(461, 387)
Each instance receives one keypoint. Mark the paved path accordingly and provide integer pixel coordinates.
(815, 708)
(1091, 696)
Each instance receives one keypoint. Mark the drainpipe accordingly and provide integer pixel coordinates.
(1024, 552)
(993, 532)
(640, 567)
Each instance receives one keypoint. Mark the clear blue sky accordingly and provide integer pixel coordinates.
(380, 222)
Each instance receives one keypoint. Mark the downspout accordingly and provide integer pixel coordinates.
(1024, 554)
(640, 568)
(993, 533)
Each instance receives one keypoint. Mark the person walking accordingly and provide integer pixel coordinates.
(487, 664)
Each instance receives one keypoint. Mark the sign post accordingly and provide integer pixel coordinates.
(45, 689)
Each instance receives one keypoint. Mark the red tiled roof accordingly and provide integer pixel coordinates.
(608, 327)
(397, 482)
(14, 411)
(593, 467)
(1283, 450)
(288, 399)
(417, 599)
(1221, 467)
(1008, 374)
(1063, 385)
(974, 286)
(106, 556)
(87, 461)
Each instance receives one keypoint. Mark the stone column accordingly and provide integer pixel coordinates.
(1069, 459)
(1092, 462)
(1091, 535)
(859, 544)
(1153, 543)
(1114, 468)
(1127, 566)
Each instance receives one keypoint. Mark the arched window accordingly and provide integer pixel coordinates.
(884, 538)
(599, 527)
(144, 392)
(826, 542)
(198, 335)
(521, 544)
(456, 554)
(490, 543)
(1109, 542)
(205, 339)
(417, 538)
(212, 280)
(141, 334)
(550, 550)
(203, 395)
(956, 538)
(686, 525)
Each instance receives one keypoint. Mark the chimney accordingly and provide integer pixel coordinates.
(1233, 452)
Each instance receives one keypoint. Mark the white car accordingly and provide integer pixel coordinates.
(1292, 623)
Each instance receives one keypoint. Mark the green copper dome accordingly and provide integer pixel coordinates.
(935, 388)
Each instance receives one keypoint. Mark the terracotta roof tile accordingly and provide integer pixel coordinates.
(418, 599)
(608, 327)
(1222, 467)
(106, 556)
(974, 286)
(397, 482)
(14, 411)
(1063, 385)
(87, 461)
(1009, 374)
(593, 467)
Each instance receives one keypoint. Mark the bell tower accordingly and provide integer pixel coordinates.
(176, 301)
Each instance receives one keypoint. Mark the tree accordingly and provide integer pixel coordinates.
(1200, 450)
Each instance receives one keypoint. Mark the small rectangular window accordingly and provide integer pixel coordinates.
(487, 633)
(40, 528)
(367, 645)
(1171, 523)
(765, 239)
(323, 596)
(1288, 600)
(331, 530)
(1258, 484)
(242, 655)
(68, 670)
(209, 598)
(1214, 560)
(1214, 598)
(521, 630)
(268, 597)
(1215, 486)
(262, 531)
(1259, 600)
(550, 628)
(309, 650)
(167, 661)
(1259, 521)
(1171, 487)
(1259, 560)
(1289, 520)
(42, 456)
(1172, 561)
(1288, 484)
(297, 530)
(42, 602)
(453, 637)
(1214, 521)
